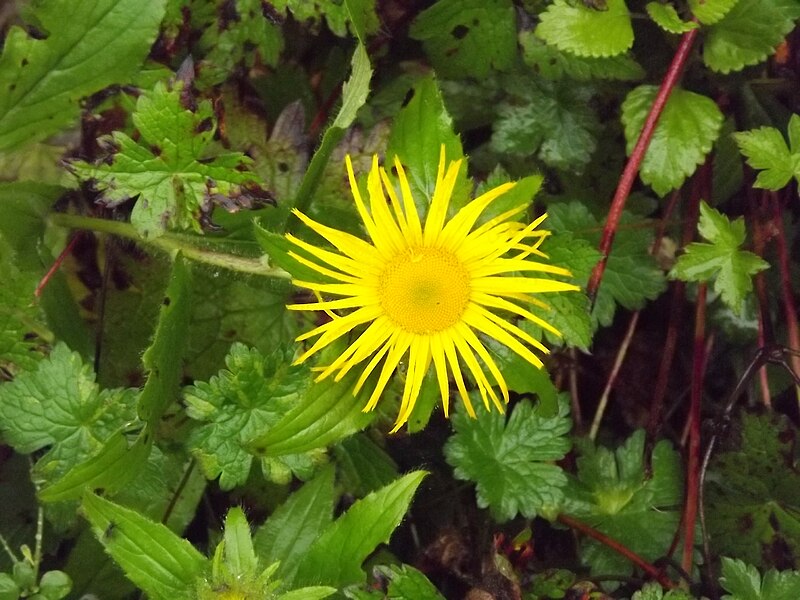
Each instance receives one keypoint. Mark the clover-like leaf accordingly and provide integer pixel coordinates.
(510, 459)
(744, 582)
(244, 400)
(721, 258)
(766, 150)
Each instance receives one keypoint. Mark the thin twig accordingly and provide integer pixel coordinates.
(612, 377)
(637, 156)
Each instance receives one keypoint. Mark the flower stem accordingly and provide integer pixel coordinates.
(171, 243)
(637, 156)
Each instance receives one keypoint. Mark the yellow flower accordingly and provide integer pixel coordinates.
(426, 291)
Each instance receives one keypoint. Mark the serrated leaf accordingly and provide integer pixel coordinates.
(685, 134)
(252, 395)
(420, 129)
(59, 405)
(552, 63)
(766, 150)
(293, 527)
(163, 358)
(111, 468)
(336, 557)
(666, 17)
(244, 36)
(744, 582)
(328, 412)
(553, 120)
(406, 583)
(722, 260)
(240, 557)
(613, 494)
(748, 34)
(41, 81)
(155, 559)
(632, 276)
(468, 38)
(709, 12)
(752, 513)
(511, 460)
(168, 168)
(587, 31)
(336, 14)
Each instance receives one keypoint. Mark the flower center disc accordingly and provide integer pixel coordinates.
(424, 290)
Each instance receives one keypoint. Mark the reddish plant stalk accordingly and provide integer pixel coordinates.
(764, 325)
(56, 265)
(693, 461)
(637, 156)
(610, 542)
(787, 295)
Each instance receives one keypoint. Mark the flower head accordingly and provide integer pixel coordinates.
(427, 291)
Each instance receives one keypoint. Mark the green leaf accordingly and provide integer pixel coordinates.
(363, 465)
(113, 467)
(552, 63)
(653, 591)
(709, 12)
(60, 405)
(169, 168)
(510, 460)
(744, 582)
(336, 14)
(766, 150)
(613, 493)
(336, 557)
(354, 93)
(240, 557)
(722, 260)
(243, 36)
(420, 129)
(293, 527)
(631, 278)
(666, 17)
(42, 81)
(686, 131)
(155, 559)
(468, 38)
(163, 359)
(552, 120)
(406, 583)
(748, 34)
(278, 248)
(9, 590)
(587, 31)
(752, 513)
(248, 398)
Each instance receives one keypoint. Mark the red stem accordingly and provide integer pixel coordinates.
(693, 463)
(56, 265)
(640, 562)
(764, 326)
(787, 295)
(637, 156)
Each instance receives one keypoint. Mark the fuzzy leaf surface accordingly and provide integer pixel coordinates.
(41, 81)
(168, 168)
(684, 135)
(510, 460)
(243, 400)
(721, 258)
(585, 31)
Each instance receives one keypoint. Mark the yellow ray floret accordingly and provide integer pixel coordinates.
(424, 291)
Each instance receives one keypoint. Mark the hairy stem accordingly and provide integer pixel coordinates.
(637, 156)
